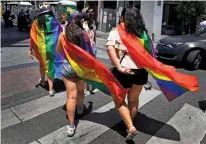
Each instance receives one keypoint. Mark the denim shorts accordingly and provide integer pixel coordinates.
(67, 70)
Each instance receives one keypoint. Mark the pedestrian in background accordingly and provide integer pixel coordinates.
(44, 34)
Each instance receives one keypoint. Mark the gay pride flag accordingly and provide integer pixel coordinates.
(92, 71)
(173, 84)
(43, 42)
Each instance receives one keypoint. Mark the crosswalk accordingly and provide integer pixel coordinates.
(180, 129)
(43, 121)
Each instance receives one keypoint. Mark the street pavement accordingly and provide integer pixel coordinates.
(30, 116)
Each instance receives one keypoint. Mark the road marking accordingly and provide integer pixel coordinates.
(94, 124)
(8, 118)
(190, 124)
(39, 106)
(35, 142)
(33, 108)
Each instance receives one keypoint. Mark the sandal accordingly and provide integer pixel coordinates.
(131, 134)
(70, 130)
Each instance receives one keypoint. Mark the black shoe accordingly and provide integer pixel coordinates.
(64, 108)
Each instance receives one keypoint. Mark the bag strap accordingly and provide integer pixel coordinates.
(123, 57)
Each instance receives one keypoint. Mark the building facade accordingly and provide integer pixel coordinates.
(160, 16)
(108, 13)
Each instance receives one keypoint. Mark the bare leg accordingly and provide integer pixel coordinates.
(125, 114)
(51, 82)
(80, 92)
(71, 89)
(80, 96)
(42, 72)
(133, 99)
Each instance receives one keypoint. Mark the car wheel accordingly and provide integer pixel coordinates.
(194, 59)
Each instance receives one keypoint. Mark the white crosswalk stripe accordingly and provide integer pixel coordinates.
(189, 122)
(32, 109)
(87, 130)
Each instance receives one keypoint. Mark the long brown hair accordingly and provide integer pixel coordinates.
(73, 31)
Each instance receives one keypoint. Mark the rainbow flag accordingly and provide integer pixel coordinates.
(172, 83)
(92, 71)
(44, 42)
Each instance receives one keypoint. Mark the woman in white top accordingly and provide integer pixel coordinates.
(126, 71)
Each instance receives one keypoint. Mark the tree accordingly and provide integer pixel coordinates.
(189, 11)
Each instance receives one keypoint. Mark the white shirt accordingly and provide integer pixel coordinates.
(114, 40)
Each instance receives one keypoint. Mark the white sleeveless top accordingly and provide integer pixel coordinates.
(114, 40)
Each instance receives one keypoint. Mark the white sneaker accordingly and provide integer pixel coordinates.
(70, 130)
(51, 93)
(148, 86)
(80, 110)
(42, 83)
(86, 92)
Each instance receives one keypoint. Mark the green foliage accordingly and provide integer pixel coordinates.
(190, 10)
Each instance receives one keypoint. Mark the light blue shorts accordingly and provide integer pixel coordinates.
(67, 70)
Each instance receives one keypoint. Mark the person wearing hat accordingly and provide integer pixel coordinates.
(75, 34)
(42, 45)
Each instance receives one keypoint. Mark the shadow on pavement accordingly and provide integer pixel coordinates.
(203, 141)
(11, 36)
(143, 124)
(26, 45)
(202, 105)
(58, 86)
(154, 127)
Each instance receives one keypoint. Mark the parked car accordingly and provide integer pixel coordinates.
(189, 50)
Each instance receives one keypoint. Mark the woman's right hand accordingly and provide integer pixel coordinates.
(125, 70)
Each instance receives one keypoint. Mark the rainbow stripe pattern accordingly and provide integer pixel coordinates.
(43, 42)
(71, 14)
(44, 7)
(92, 71)
(172, 83)
(84, 10)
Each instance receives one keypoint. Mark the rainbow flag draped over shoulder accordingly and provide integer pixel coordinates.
(92, 71)
(173, 84)
(43, 42)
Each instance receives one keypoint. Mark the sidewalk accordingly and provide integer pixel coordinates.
(12, 33)
(19, 80)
